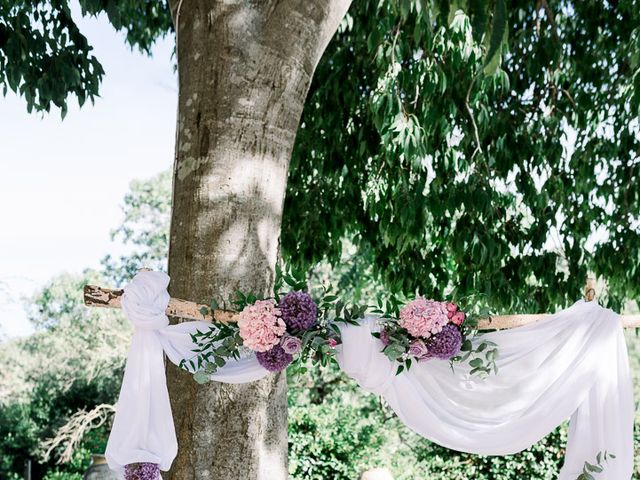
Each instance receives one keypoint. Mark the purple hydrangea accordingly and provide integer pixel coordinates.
(298, 310)
(142, 471)
(446, 344)
(275, 359)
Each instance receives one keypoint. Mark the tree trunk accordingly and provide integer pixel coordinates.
(244, 72)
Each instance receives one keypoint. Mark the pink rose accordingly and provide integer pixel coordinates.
(290, 344)
(458, 318)
(333, 343)
(452, 308)
(418, 349)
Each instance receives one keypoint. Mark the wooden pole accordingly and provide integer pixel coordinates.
(590, 290)
(106, 298)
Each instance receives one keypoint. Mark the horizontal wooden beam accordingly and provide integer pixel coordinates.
(107, 298)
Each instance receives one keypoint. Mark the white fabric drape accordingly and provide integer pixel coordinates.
(573, 364)
(143, 429)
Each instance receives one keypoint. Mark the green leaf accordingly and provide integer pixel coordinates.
(476, 362)
(592, 468)
(201, 377)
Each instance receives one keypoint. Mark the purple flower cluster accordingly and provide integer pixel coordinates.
(418, 349)
(290, 344)
(445, 344)
(142, 471)
(275, 359)
(298, 310)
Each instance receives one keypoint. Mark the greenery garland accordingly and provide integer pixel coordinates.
(293, 330)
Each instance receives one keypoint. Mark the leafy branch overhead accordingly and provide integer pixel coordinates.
(490, 146)
(45, 58)
(488, 149)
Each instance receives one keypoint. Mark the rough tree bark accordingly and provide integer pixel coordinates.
(244, 71)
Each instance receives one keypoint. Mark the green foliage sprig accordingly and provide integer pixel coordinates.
(589, 468)
(481, 357)
(214, 348)
(480, 354)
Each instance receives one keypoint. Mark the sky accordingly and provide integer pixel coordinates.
(62, 182)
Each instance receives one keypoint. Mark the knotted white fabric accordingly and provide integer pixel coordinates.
(143, 429)
(573, 364)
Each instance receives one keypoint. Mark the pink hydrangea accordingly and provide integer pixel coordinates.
(423, 318)
(261, 326)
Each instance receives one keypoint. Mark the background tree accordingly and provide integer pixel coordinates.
(74, 361)
(512, 181)
(453, 173)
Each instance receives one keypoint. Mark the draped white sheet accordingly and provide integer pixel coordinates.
(143, 429)
(573, 364)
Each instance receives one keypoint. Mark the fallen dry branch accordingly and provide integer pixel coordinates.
(69, 436)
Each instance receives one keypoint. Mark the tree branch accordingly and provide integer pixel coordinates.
(467, 105)
(69, 436)
(106, 298)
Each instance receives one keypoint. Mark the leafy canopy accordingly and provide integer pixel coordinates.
(514, 181)
(487, 146)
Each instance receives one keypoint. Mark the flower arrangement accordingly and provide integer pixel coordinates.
(425, 329)
(288, 328)
(292, 328)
